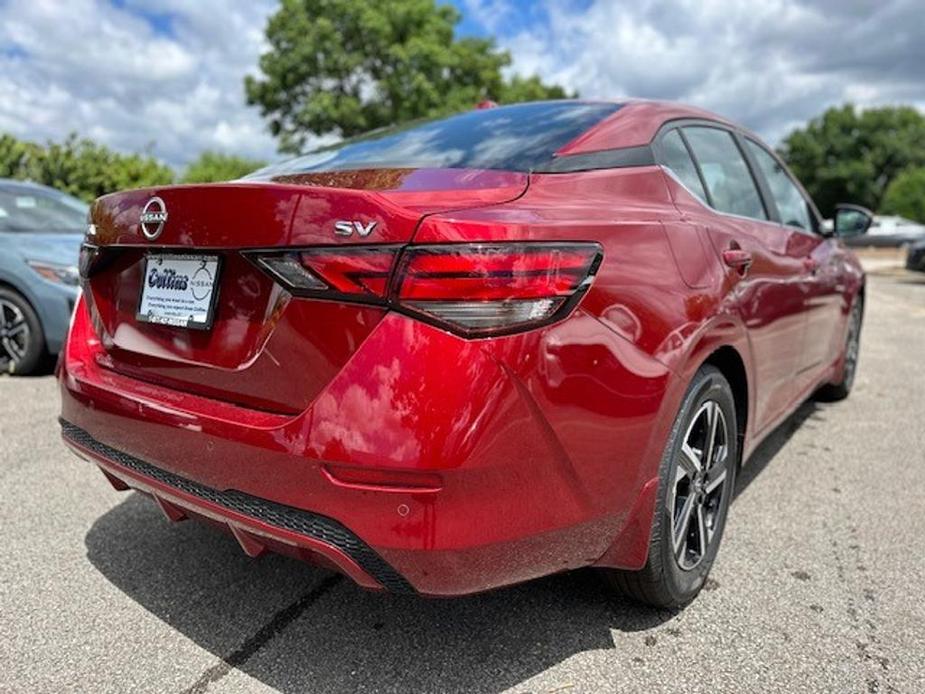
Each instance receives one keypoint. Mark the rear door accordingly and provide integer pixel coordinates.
(763, 264)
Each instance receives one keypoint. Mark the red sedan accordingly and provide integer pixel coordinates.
(462, 354)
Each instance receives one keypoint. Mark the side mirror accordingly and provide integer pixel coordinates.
(852, 220)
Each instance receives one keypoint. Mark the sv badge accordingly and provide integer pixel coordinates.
(345, 227)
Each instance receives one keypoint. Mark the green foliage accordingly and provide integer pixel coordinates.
(214, 167)
(87, 170)
(905, 195)
(15, 156)
(349, 66)
(529, 89)
(847, 155)
(80, 167)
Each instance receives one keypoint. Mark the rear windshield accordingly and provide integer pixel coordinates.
(514, 138)
(38, 209)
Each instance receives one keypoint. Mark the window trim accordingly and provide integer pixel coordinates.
(764, 188)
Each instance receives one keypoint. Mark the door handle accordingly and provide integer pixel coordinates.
(737, 259)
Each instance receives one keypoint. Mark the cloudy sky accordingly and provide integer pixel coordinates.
(165, 76)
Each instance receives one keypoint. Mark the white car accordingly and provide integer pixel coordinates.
(889, 230)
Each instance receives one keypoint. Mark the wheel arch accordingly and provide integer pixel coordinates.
(726, 349)
(9, 284)
(724, 343)
(27, 296)
(731, 364)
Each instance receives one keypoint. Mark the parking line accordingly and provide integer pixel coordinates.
(267, 632)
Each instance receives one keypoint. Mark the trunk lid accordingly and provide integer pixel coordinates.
(264, 349)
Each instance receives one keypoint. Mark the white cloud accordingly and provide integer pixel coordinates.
(173, 83)
(770, 65)
(168, 74)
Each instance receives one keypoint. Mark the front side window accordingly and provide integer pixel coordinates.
(793, 208)
(732, 188)
(676, 157)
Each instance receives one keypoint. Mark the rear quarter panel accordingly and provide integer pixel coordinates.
(606, 383)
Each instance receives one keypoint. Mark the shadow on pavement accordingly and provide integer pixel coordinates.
(295, 628)
(774, 442)
(199, 582)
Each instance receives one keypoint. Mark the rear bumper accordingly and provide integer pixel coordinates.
(257, 524)
(541, 467)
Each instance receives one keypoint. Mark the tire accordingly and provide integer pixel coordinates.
(833, 392)
(22, 341)
(678, 564)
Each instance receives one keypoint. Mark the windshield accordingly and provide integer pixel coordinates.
(24, 208)
(514, 138)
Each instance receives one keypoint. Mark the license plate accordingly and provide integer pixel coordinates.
(179, 290)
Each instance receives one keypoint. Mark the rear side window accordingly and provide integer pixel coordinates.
(520, 137)
(675, 156)
(793, 208)
(732, 188)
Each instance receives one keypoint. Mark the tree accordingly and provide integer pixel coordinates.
(847, 155)
(216, 167)
(82, 168)
(529, 89)
(906, 195)
(15, 156)
(87, 170)
(349, 66)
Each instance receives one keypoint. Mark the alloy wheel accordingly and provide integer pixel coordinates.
(14, 334)
(699, 487)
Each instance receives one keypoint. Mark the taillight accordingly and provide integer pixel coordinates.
(358, 273)
(94, 260)
(473, 290)
(483, 289)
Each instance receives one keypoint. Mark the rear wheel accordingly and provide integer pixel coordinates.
(22, 342)
(842, 389)
(696, 481)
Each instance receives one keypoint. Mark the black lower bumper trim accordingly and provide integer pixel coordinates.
(305, 523)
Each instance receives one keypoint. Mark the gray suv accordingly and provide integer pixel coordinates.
(40, 234)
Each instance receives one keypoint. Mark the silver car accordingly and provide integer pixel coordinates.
(889, 230)
(40, 234)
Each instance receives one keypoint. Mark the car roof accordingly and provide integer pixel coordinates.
(14, 184)
(636, 123)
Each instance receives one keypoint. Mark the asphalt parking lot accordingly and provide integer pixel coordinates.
(818, 587)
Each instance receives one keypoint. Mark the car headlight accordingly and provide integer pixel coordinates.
(59, 274)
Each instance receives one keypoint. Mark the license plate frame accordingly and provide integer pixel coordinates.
(179, 288)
